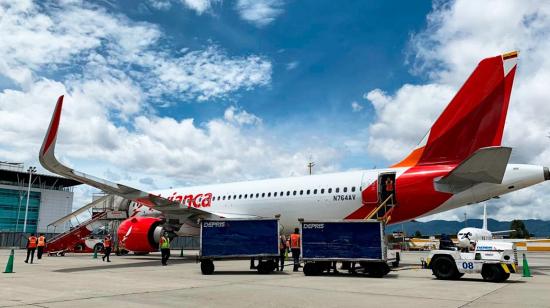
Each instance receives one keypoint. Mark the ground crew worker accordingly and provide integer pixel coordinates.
(389, 190)
(295, 248)
(41, 245)
(32, 241)
(164, 245)
(282, 252)
(107, 246)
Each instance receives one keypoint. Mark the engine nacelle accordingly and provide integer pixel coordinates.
(140, 234)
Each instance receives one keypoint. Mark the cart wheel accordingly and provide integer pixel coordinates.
(311, 269)
(265, 267)
(207, 267)
(377, 270)
(493, 273)
(445, 268)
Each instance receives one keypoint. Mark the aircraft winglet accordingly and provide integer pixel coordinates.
(49, 162)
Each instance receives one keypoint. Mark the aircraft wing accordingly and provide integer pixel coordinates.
(486, 165)
(503, 231)
(49, 161)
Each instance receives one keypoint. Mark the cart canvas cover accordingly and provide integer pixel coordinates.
(342, 240)
(227, 238)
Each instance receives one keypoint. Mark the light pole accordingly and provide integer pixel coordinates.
(31, 170)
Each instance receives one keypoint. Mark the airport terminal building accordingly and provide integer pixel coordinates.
(50, 198)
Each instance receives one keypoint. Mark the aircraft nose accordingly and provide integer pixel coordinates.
(546, 173)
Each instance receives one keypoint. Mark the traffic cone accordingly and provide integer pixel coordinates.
(526, 271)
(95, 253)
(9, 266)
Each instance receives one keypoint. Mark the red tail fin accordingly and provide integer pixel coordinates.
(473, 119)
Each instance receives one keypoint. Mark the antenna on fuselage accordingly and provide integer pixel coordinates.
(310, 165)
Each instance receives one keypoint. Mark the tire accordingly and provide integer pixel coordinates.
(445, 268)
(207, 267)
(311, 269)
(376, 270)
(270, 266)
(79, 248)
(263, 267)
(493, 273)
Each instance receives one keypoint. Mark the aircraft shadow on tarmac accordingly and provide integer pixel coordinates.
(114, 265)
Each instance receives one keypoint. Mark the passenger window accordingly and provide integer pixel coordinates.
(345, 189)
(353, 189)
(281, 193)
(301, 192)
(307, 192)
(245, 195)
(263, 195)
(315, 191)
(322, 190)
(240, 196)
(218, 198)
(337, 189)
(269, 194)
(275, 194)
(288, 192)
(257, 195)
(234, 197)
(294, 193)
(330, 190)
(228, 197)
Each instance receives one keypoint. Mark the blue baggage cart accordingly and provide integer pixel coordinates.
(225, 239)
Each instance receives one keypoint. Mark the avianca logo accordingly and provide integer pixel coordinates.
(197, 201)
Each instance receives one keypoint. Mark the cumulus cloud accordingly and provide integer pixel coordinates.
(458, 35)
(112, 71)
(199, 6)
(259, 12)
(38, 39)
(356, 107)
(292, 65)
(240, 117)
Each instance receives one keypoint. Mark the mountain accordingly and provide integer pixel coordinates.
(539, 228)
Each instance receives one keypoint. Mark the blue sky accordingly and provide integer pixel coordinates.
(325, 55)
(162, 93)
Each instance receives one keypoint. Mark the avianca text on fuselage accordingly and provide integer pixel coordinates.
(196, 201)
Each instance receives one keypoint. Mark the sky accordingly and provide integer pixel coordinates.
(166, 93)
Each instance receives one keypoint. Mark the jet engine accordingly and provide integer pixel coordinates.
(140, 234)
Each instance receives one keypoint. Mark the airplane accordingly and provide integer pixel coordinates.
(467, 236)
(460, 161)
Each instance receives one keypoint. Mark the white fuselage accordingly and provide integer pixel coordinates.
(326, 196)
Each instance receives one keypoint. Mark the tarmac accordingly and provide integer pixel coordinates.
(140, 281)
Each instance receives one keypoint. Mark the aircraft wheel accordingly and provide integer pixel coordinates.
(207, 267)
(445, 268)
(493, 273)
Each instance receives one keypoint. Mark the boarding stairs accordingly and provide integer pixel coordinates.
(79, 238)
(69, 241)
(383, 211)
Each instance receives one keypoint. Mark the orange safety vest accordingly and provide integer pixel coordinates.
(41, 241)
(32, 242)
(389, 186)
(107, 243)
(294, 240)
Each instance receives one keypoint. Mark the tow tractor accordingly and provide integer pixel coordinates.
(494, 260)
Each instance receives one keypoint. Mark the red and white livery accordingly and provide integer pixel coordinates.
(460, 161)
